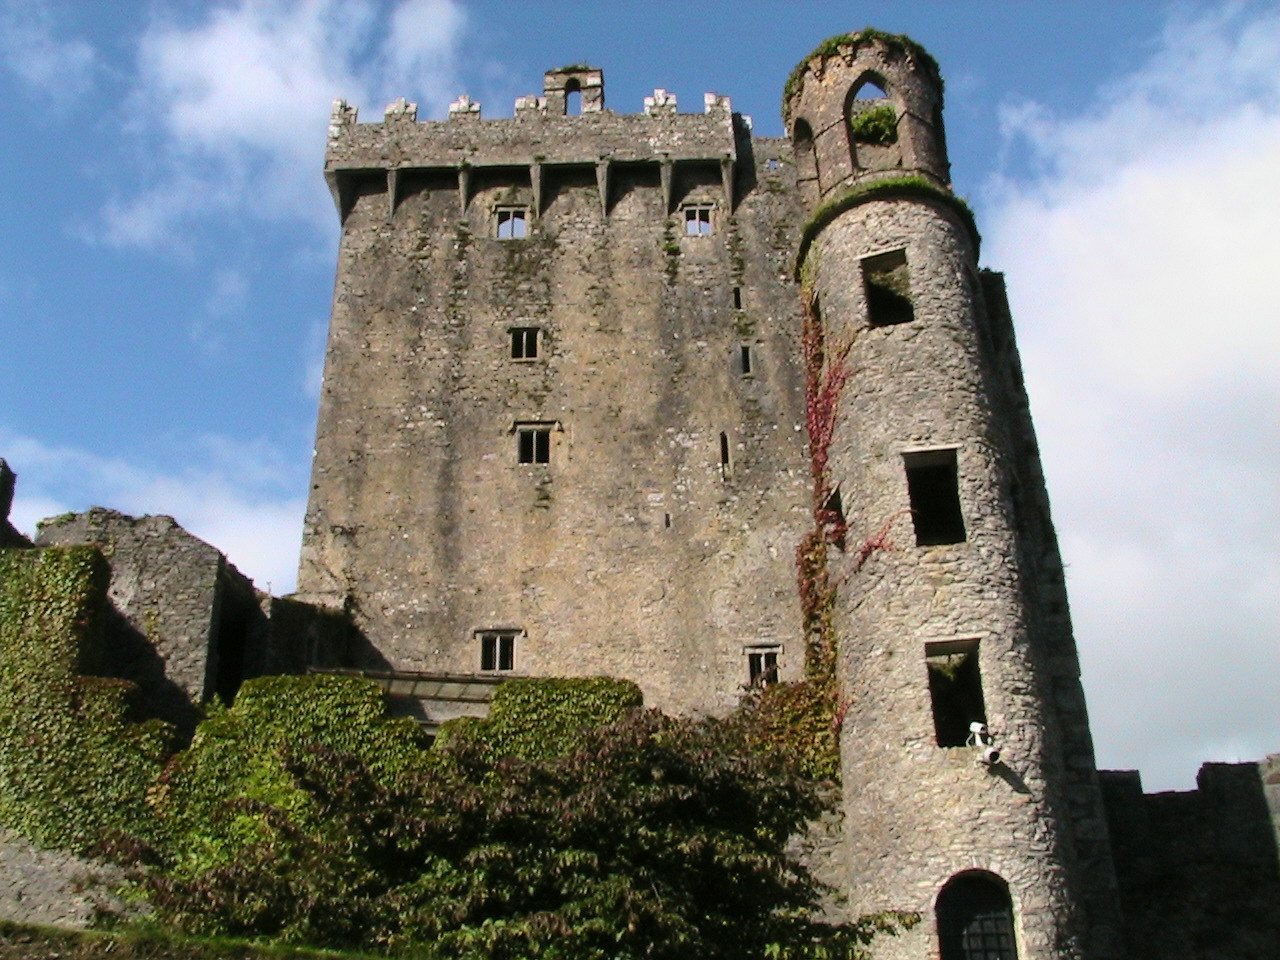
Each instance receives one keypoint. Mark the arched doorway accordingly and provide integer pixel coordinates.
(975, 918)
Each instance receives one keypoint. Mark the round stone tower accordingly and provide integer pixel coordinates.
(970, 796)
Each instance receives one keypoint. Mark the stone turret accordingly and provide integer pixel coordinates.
(969, 796)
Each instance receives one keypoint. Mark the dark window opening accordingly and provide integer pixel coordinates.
(744, 355)
(511, 223)
(697, 220)
(724, 455)
(497, 650)
(975, 919)
(524, 343)
(934, 490)
(762, 666)
(955, 690)
(887, 282)
(737, 298)
(666, 520)
(534, 444)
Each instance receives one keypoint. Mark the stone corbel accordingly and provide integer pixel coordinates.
(726, 180)
(535, 180)
(665, 171)
(464, 188)
(602, 184)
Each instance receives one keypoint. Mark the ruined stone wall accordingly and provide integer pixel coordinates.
(1199, 872)
(648, 547)
(184, 623)
(9, 535)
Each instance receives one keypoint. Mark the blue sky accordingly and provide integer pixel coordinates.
(167, 247)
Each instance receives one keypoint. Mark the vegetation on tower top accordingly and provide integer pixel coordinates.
(832, 47)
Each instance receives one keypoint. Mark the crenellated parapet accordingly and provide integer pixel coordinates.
(541, 137)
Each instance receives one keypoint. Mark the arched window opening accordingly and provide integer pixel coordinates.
(975, 919)
(869, 88)
(573, 98)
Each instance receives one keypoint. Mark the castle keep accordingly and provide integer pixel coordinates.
(649, 396)
(591, 378)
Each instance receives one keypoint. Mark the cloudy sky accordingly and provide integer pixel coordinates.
(167, 246)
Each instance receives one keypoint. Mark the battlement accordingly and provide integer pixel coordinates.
(541, 136)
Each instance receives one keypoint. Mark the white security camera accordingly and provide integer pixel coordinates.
(989, 755)
(979, 729)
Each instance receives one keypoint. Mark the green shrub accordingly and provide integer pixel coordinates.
(653, 837)
(73, 770)
(212, 799)
(544, 717)
(876, 125)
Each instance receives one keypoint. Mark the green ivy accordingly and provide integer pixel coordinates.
(875, 125)
(210, 797)
(73, 770)
(905, 187)
(540, 718)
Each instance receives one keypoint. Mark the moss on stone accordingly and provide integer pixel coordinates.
(905, 188)
(832, 46)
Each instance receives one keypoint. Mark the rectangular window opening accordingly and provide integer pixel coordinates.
(533, 443)
(886, 281)
(955, 690)
(934, 490)
(524, 343)
(737, 298)
(497, 651)
(697, 220)
(725, 465)
(744, 356)
(762, 666)
(511, 223)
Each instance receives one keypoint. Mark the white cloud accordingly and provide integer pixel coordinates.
(236, 104)
(235, 496)
(56, 68)
(1141, 257)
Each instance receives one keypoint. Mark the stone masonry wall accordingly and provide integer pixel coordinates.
(1199, 871)
(9, 536)
(657, 543)
(181, 613)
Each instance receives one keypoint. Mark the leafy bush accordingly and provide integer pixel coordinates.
(541, 718)
(653, 837)
(73, 770)
(231, 788)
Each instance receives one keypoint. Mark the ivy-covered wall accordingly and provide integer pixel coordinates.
(72, 767)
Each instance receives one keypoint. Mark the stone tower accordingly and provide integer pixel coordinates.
(591, 380)
(561, 425)
(970, 787)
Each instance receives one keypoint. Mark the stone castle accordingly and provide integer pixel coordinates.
(593, 378)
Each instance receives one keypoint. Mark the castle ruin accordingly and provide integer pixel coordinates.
(600, 388)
